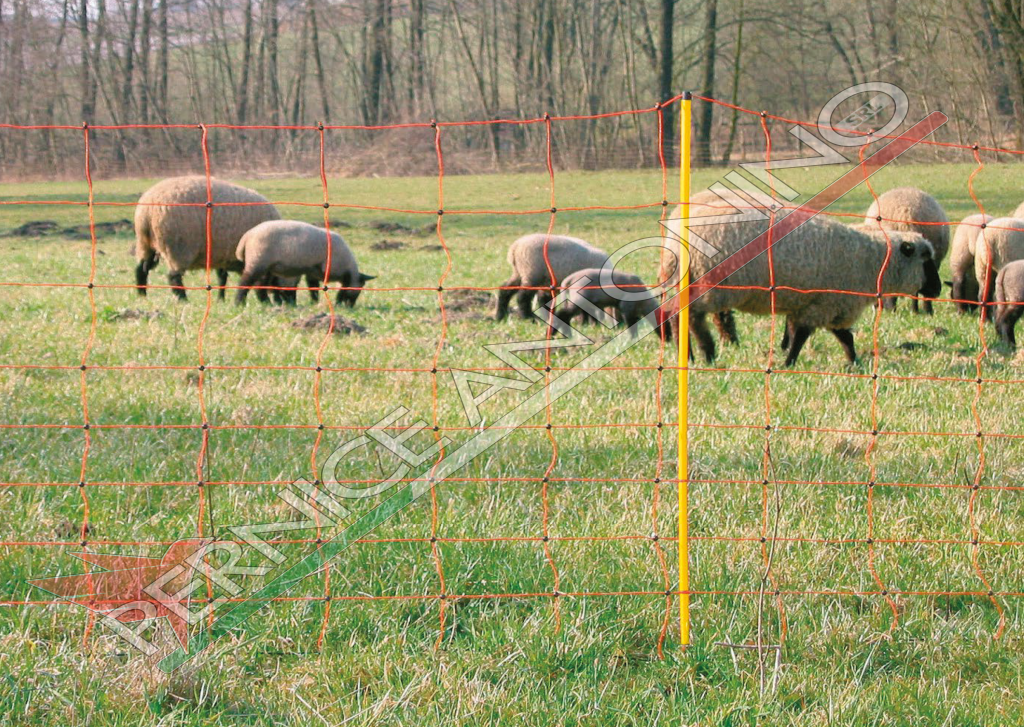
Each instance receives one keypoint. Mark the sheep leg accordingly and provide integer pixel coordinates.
(929, 309)
(845, 338)
(800, 336)
(544, 297)
(248, 279)
(142, 271)
(313, 283)
(914, 305)
(177, 284)
(725, 322)
(222, 282)
(699, 327)
(508, 289)
(263, 294)
(787, 336)
(524, 301)
(1006, 322)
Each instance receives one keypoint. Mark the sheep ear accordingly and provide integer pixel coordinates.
(907, 248)
(363, 277)
(949, 283)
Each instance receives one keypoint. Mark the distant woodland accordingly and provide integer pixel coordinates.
(380, 62)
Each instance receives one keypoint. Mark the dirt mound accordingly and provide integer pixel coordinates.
(322, 321)
(464, 300)
(49, 228)
(388, 245)
(399, 228)
(129, 314)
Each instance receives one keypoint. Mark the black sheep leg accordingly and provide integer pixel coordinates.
(508, 289)
(845, 338)
(725, 322)
(524, 301)
(1006, 322)
(222, 282)
(699, 327)
(177, 285)
(313, 283)
(787, 335)
(142, 272)
(247, 280)
(800, 336)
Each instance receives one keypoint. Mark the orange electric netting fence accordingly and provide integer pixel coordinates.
(818, 488)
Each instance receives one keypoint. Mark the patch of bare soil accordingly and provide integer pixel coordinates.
(322, 321)
(460, 300)
(387, 245)
(49, 228)
(399, 228)
(132, 314)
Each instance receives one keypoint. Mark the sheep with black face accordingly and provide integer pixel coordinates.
(287, 249)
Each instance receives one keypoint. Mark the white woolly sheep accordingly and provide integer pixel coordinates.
(288, 249)
(170, 222)
(1000, 243)
(911, 209)
(964, 284)
(566, 255)
(588, 293)
(819, 255)
(1010, 296)
(705, 203)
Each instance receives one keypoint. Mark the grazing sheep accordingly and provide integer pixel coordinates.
(587, 293)
(1000, 243)
(566, 256)
(1010, 296)
(705, 203)
(820, 255)
(287, 249)
(964, 285)
(170, 222)
(913, 210)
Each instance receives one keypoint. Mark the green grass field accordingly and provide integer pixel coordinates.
(502, 660)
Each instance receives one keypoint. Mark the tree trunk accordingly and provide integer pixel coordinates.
(162, 59)
(86, 80)
(665, 90)
(144, 42)
(416, 56)
(325, 107)
(709, 55)
(737, 68)
(242, 92)
(271, 33)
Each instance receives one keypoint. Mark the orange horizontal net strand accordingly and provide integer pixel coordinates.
(769, 483)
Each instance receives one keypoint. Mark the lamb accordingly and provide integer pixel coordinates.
(588, 293)
(1010, 296)
(288, 249)
(170, 222)
(964, 285)
(911, 209)
(566, 256)
(820, 255)
(1000, 243)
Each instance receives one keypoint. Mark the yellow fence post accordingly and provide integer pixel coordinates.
(684, 363)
